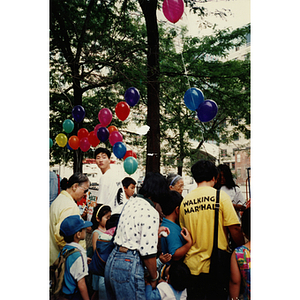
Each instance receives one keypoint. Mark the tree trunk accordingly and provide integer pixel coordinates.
(153, 136)
(78, 156)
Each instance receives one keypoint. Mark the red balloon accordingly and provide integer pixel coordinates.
(84, 144)
(129, 153)
(82, 133)
(173, 10)
(122, 110)
(93, 140)
(114, 137)
(112, 128)
(74, 142)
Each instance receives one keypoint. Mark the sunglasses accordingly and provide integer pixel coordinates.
(85, 191)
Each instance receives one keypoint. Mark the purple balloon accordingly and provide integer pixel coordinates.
(102, 134)
(132, 96)
(78, 113)
(207, 110)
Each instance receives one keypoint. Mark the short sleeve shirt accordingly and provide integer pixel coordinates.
(197, 212)
(138, 227)
(174, 240)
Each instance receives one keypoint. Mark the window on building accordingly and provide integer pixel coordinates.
(238, 171)
(238, 158)
(223, 152)
(233, 166)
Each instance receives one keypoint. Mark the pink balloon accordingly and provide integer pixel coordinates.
(84, 144)
(114, 137)
(96, 128)
(105, 116)
(173, 10)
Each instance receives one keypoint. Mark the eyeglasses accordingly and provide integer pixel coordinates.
(85, 191)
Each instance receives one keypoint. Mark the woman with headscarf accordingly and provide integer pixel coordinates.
(175, 183)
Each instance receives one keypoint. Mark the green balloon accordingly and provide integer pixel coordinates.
(130, 165)
(51, 143)
(68, 125)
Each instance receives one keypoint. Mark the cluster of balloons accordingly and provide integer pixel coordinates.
(101, 133)
(173, 10)
(206, 109)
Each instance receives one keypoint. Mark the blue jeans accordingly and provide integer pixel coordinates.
(124, 276)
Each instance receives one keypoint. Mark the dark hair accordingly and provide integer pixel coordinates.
(204, 170)
(229, 182)
(171, 177)
(246, 222)
(179, 275)
(68, 239)
(99, 211)
(173, 200)
(75, 178)
(127, 181)
(155, 187)
(102, 150)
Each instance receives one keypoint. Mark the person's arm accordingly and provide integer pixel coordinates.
(236, 234)
(83, 289)
(94, 240)
(180, 252)
(152, 294)
(235, 278)
(150, 264)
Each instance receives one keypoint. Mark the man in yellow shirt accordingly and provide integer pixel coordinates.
(197, 212)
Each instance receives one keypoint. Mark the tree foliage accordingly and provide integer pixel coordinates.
(99, 49)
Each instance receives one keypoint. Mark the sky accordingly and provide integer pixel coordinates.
(240, 16)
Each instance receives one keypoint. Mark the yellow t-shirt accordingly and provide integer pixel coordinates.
(198, 216)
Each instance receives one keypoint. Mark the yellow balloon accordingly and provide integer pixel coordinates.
(61, 140)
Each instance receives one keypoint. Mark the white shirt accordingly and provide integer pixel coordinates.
(138, 227)
(167, 293)
(235, 195)
(79, 269)
(111, 191)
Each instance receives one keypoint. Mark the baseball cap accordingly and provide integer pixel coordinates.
(72, 224)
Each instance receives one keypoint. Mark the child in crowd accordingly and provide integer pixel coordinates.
(101, 215)
(129, 187)
(179, 241)
(240, 268)
(73, 229)
(175, 284)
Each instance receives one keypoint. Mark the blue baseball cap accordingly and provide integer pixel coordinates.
(72, 224)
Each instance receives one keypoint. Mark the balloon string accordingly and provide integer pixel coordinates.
(185, 72)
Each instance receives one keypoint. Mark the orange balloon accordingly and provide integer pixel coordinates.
(112, 128)
(74, 142)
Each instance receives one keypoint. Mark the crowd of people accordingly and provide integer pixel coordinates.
(161, 242)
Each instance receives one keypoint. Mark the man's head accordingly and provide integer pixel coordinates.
(204, 170)
(102, 156)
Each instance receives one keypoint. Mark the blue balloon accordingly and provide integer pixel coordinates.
(68, 146)
(102, 134)
(130, 165)
(207, 110)
(132, 96)
(119, 149)
(78, 113)
(193, 97)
